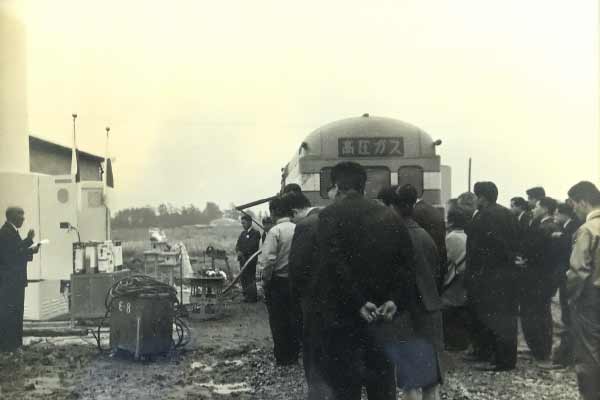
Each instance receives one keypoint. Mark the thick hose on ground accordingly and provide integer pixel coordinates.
(138, 285)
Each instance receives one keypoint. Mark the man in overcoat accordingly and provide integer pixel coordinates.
(364, 277)
(15, 253)
(491, 278)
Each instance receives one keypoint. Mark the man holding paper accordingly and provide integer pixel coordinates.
(15, 253)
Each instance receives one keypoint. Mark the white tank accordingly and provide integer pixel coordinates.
(14, 138)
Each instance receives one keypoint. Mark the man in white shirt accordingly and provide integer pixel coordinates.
(283, 314)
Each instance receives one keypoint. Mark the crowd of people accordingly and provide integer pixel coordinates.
(372, 292)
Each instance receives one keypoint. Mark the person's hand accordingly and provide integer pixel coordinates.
(387, 310)
(31, 234)
(368, 312)
(36, 248)
(557, 235)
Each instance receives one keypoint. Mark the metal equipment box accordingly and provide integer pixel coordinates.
(88, 292)
(142, 325)
(162, 265)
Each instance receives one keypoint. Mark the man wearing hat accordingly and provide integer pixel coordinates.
(247, 245)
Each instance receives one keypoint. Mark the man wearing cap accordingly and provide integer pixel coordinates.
(247, 245)
(15, 253)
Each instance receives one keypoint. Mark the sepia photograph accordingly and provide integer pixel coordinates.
(285, 200)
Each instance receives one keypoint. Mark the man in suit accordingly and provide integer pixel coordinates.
(490, 280)
(540, 280)
(534, 195)
(248, 244)
(364, 276)
(303, 262)
(15, 253)
(432, 220)
(520, 208)
(566, 219)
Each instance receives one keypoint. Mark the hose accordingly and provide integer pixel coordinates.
(146, 287)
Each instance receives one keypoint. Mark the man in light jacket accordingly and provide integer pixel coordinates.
(583, 289)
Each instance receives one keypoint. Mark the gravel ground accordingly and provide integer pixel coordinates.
(228, 358)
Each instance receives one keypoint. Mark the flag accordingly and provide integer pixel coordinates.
(110, 182)
(75, 171)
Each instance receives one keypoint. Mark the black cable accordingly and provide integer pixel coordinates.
(146, 287)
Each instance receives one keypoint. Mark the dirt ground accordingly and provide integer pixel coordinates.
(227, 358)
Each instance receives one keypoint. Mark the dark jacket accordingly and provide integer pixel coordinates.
(248, 242)
(542, 252)
(14, 255)
(432, 220)
(304, 253)
(492, 244)
(543, 258)
(365, 255)
(427, 266)
(523, 227)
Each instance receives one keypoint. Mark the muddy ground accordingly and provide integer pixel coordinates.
(227, 358)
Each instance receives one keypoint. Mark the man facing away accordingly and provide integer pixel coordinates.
(364, 276)
(247, 244)
(15, 253)
(283, 313)
(303, 260)
(432, 220)
(490, 280)
(583, 289)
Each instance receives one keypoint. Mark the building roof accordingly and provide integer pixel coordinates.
(39, 142)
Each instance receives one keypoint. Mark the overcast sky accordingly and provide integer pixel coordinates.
(207, 100)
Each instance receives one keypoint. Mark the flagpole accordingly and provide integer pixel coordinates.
(74, 131)
(75, 172)
(106, 155)
(106, 185)
(75, 151)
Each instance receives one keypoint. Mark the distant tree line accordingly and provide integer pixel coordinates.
(168, 216)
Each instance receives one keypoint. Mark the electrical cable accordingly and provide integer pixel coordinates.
(144, 286)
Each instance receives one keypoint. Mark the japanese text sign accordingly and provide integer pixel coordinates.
(371, 147)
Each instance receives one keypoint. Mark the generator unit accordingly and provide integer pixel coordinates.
(142, 315)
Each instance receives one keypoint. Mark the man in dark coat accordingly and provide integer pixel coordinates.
(568, 222)
(248, 244)
(540, 280)
(364, 277)
(520, 208)
(15, 253)
(490, 279)
(432, 220)
(303, 262)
